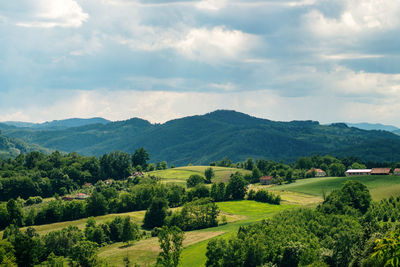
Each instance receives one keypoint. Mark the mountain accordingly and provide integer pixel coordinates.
(11, 147)
(58, 124)
(376, 126)
(204, 138)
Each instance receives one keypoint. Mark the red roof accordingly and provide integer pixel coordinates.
(397, 170)
(266, 178)
(319, 170)
(380, 171)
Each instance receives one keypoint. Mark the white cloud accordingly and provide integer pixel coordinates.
(211, 5)
(201, 44)
(358, 16)
(54, 13)
(211, 45)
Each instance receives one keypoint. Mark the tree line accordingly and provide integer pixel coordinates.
(347, 229)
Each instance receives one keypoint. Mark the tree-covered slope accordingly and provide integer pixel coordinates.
(209, 137)
(11, 147)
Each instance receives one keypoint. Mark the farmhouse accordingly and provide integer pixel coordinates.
(396, 171)
(320, 173)
(266, 180)
(380, 171)
(81, 196)
(354, 172)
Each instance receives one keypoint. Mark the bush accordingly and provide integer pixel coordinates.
(267, 197)
(194, 180)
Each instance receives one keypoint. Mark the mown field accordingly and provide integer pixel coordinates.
(379, 186)
(181, 174)
(144, 252)
(305, 192)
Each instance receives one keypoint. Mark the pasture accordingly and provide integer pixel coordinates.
(181, 174)
(144, 252)
(380, 186)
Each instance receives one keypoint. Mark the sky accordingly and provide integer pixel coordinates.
(325, 60)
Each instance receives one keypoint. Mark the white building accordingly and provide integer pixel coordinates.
(358, 172)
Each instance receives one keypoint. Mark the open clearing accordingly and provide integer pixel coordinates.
(380, 186)
(238, 213)
(181, 174)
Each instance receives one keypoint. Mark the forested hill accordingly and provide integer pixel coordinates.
(210, 137)
(58, 124)
(11, 147)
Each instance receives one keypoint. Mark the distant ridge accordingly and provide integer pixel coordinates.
(59, 124)
(373, 126)
(202, 139)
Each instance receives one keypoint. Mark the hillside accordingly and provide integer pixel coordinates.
(58, 124)
(210, 137)
(373, 126)
(11, 147)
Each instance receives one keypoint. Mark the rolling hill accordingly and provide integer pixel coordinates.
(11, 147)
(58, 124)
(210, 137)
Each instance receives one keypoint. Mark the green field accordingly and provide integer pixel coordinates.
(379, 186)
(144, 252)
(181, 174)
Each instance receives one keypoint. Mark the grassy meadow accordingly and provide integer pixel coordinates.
(380, 186)
(181, 174)
(238, 213)
(305, 192)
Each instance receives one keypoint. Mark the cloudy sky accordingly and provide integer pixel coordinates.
(326, 60)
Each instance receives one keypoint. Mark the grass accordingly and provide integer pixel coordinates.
(181, 174)
(379, 186)
(238, 213)
(136, 216)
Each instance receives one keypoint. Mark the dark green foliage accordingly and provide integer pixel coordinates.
(236, 188)
(218, 192)
(29, 248)
(61, 242)
(199, 214)
(85, 253)
(264, 196)
(14, 210)
(156, 213)
(130, 230)
(352, 196)
(226, 133)
(96, 204)
(209, 174)
(288, 239)
(194, 180)
(200, 191)
(140, 158)
(170, 239)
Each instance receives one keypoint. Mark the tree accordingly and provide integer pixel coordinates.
(209, 174)
(357, 165)
(85, 253)
(170, 240)
(7, 257)
(156, 213)
(353, 194)
(194, 180)
(255, 175)
(14, 210)
(130, 230)
(387, 250)
(140, 157)
(96, 204)
(236, 189)
(337, 169)
(249, 164)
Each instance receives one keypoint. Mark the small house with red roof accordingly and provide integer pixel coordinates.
(266, 180)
